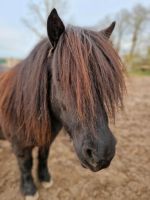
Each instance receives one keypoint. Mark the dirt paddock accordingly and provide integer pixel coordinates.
(127, 178)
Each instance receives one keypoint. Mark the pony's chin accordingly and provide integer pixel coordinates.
(91, 168)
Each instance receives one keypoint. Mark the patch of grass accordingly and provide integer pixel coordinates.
(138, 72)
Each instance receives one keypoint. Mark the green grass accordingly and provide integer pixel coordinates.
(138, 72)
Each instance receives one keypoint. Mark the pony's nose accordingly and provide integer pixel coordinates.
(97, 159)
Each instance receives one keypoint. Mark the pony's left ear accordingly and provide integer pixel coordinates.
(108, 31)
(55, 27)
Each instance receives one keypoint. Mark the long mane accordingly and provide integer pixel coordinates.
(90, 72)
(24, 103)
(85, 66)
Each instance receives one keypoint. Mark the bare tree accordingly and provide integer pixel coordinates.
(38, 12)
(122, 29)
(132, 29)
(139, 21)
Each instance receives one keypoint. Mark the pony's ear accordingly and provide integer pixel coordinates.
(55, 27)
(108, 31)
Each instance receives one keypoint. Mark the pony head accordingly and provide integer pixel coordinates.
(87, 85)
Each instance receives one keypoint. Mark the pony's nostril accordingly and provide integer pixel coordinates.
(89, 153)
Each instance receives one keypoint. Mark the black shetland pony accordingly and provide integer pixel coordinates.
(74, 79)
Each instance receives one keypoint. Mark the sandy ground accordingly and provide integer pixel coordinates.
(128, 177)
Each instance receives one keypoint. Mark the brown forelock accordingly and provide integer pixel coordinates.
(89, 71)
(24, 98)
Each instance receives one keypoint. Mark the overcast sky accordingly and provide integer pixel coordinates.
(17, 41)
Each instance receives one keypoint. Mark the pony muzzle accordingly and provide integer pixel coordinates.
(100, 158)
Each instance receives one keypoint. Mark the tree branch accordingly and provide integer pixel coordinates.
(32, 28)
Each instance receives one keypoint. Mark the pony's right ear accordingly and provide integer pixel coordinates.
(55, 27)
